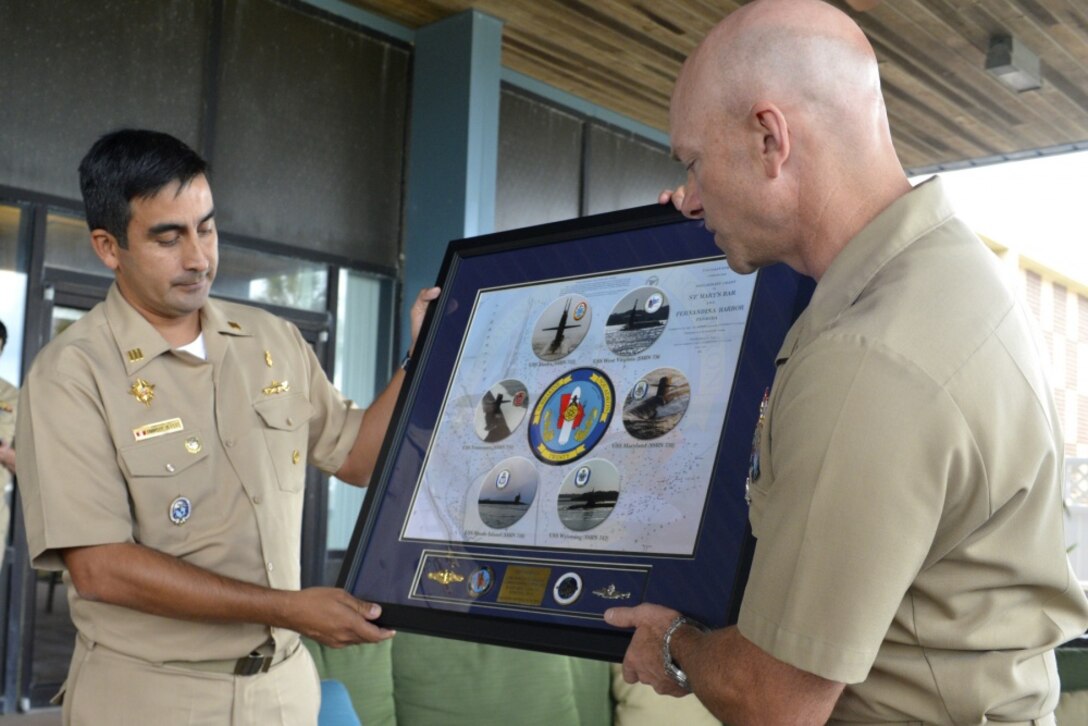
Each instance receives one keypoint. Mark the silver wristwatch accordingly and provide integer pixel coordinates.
(671, 669)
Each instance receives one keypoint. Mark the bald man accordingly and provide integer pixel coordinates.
(910, 561)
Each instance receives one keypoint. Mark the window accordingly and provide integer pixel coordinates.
(364, 324)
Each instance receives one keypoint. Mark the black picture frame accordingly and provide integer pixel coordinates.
(648, 506)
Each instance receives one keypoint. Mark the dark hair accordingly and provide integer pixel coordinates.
(3, 336)
(127, 164)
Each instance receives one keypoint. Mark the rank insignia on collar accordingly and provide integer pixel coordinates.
(276, 387)
(135, 355)
(268, 359)
(143, 391)
(6, 407)
(233, 325)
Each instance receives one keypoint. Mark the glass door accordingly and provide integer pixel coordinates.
(13, 281)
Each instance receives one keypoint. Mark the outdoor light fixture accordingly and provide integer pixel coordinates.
(1011, 62)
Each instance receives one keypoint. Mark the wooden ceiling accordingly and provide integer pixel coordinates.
(944, 108)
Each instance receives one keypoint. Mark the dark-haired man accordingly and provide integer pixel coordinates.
(163, 443)
(910, 561)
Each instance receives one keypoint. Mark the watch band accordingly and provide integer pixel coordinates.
(405, 361)
(672, 670)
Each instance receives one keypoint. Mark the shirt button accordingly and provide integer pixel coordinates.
(271, 567)
(290, 421)
(170, 468)
(229, 443)
(257, 499)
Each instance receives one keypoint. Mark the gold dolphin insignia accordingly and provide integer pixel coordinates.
(445, 577)
(276, 387)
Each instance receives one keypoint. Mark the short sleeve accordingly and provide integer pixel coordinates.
(70, 482)
(335, 422)
(861, 446)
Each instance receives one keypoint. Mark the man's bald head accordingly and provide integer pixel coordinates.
(798, 54)
(779, 116)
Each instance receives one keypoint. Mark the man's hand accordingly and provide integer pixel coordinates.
(334, 618)
(693, 209)
(737, 681)
(419, 309)
(137, 577)
(676, 198)
(644, 662)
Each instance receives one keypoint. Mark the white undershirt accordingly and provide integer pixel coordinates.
(196, 347)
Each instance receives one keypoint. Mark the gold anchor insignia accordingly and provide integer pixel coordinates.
(268, 359)
(276, 387)
(143, 391)
(135, 355)
(445, 577)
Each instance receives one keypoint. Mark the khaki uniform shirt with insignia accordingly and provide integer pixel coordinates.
(909, 510)
(115, 426)
(9, 399)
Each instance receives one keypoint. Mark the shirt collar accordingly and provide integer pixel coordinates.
(919, 211)
(137, 340)
(139, 343)
(214, 320)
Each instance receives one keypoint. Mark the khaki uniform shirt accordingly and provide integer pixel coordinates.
(9, 398)
(116, 429)
(908, 513)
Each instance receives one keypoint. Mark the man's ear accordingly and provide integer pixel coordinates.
(771, 123)
(106, 247)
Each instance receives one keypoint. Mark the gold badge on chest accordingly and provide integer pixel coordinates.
(276, 387)
(143, 390)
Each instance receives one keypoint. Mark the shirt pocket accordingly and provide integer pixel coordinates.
(286, 431)
(160, 472)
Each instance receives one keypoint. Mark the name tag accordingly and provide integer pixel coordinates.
(158, 429)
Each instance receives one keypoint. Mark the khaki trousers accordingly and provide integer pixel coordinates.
(106, 687)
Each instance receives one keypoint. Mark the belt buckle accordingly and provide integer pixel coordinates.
(252, 664)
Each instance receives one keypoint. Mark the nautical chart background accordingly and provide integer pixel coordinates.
(663, 481)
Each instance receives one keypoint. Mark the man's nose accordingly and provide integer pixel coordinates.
(693, 205)
(195, 257)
